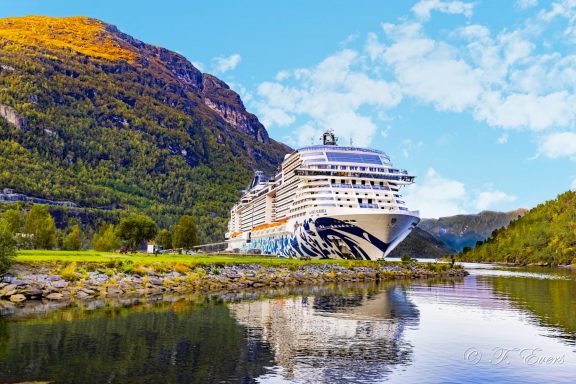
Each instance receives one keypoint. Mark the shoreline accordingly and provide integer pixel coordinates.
(57, 287)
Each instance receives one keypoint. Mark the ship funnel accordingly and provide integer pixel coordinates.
(328, 138)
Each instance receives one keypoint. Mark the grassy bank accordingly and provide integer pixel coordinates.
(39, 257)
(44, 276)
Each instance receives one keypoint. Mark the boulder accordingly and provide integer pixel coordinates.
(82, 295)
(54, 296)
(60, 284)
(8, 290)
(155, 281)
(18, 298)
(32, 291)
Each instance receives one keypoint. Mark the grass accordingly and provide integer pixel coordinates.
(139, 263)
(34, 256)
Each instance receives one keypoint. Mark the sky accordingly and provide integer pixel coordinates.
(475, 98)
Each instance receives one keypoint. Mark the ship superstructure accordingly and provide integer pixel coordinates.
(326, 201)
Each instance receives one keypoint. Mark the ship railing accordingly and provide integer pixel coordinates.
(360, 186)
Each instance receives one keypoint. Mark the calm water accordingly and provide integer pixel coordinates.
(497, 325)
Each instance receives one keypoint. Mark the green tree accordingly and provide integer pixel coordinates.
(135, 229)
(185, 235)
(164, 239)
(12, 219)
(40, 228)
(7, 246)
(106, 240)
(73, 241)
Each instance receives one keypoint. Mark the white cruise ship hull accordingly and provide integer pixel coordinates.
(357, 234)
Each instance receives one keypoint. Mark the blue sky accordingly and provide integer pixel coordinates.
(476, 98)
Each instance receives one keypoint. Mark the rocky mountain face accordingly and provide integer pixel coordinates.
(91, 115)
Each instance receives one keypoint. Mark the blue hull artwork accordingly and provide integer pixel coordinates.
(320, 238)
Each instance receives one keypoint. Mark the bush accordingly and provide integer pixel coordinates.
(7, 246)
(69, 273)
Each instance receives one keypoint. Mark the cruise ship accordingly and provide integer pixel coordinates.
(326, 201)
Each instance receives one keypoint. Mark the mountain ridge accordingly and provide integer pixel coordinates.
(95, 116)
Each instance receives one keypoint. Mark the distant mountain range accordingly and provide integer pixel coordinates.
(448, 235)
(93, 116)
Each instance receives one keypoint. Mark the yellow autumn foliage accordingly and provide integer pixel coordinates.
(81, 34)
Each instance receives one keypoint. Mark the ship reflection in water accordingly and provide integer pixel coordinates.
(314, 336)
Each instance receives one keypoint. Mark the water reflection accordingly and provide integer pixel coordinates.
(549, 294)
(413, 331)
(333, 336)
(170, 343)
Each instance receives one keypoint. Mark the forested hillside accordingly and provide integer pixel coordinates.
(91, 115)
(544, 235)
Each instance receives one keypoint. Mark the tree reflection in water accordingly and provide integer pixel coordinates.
(313, 333)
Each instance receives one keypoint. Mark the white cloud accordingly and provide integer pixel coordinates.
(473, 32)
(527, 110)
(490, 199)
(503, 139)
(226, 63)
(573, 184)
(423, 8)
(349, 39)
(504, 78)
(525, 4)
(409, 147)
(200, 66)
(328, 95)
(557, 145)
(436, 196)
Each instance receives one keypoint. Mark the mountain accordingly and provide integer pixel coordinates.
(434, 238)
(91, 115)
(544, 235)
(462, 231)
(422, 244)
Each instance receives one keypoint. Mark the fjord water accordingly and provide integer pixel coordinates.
(497, 325)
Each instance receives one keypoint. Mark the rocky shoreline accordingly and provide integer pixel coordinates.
(26, 283)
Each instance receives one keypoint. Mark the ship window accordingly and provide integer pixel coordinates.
(363, 182)
(333, 181)
(354, 158)
(369, 201)
(350, 206)
(353, 182)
